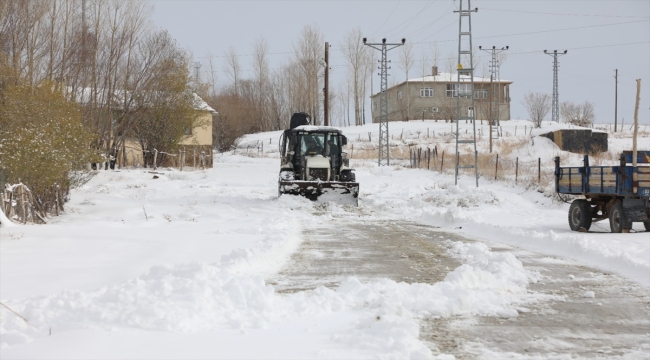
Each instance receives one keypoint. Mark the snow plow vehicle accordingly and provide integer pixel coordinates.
(314, 165)
(618, 193)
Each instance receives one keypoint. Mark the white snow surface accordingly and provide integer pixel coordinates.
(174, 267)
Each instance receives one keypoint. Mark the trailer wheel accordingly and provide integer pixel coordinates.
(646, 225)
(580, 215)
(617, 220)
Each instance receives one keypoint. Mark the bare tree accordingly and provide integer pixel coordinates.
(578, 114)
(435, 54)
(211, 76)
(538, 105)
(308, 52)
(261, 68)
(425, 70)
(406, 62)
(232, 68)
(357, 56)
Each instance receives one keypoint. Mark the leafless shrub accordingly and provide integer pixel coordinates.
(578, 114)
(538, 105)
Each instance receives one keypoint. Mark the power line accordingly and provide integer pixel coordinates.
(559, 14)
(450, 40)
(510, 54)
(544, 31)
(389, 16)
(410, 20)
(445, 13)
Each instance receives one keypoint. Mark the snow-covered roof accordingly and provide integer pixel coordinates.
(445, 78)
(200, 104)
(452, 77)
(83, 96)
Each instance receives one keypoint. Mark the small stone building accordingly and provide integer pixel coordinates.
(579, 141)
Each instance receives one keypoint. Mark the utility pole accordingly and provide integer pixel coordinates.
(494, 89)
(197, 66)
(556, 101)
(636, 123)
(326, 90)
(615, 99)
(465, 85)
(384, 147)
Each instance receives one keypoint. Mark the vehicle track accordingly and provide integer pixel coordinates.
(614, 323)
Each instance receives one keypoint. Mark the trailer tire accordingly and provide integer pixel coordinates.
(580, 215)
(646, 225)
(617, 219)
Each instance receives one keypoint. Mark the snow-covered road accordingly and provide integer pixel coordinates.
(190, 265)
(477, 310)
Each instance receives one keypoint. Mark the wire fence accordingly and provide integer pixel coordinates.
(197, 156)
(489, 165)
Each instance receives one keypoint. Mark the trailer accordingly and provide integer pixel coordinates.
(619, 193)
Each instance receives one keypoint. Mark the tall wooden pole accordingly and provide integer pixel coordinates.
(491, 100)
(326, 102)
(636, 120)
(616, 100)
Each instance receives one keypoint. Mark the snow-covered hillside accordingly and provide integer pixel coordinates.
(175, 267)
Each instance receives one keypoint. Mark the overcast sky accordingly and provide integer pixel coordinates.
(600, 36)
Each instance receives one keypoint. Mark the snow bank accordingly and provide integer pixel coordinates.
(198, 297)
(505, 214)
(4, 221)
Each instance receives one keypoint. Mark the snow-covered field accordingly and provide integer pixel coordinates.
(175, 267)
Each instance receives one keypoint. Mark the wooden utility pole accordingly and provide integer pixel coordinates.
(490, 112)
(326, 102)
(615, 99)
(636, 120)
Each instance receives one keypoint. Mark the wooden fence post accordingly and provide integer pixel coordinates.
(496, 167)
(516, 169)
(539, 170)
(428, 158)
(22, 198)
(442, 163)
(56, 198)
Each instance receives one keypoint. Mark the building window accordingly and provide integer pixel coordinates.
(435, 110)
(453, 90)
(480, 94)
(399, 95)
(426, 92)
(188, 130)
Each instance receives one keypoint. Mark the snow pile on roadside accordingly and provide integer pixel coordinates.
(200, 297)
(504, 214)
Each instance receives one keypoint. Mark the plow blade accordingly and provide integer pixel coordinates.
(337, 191)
